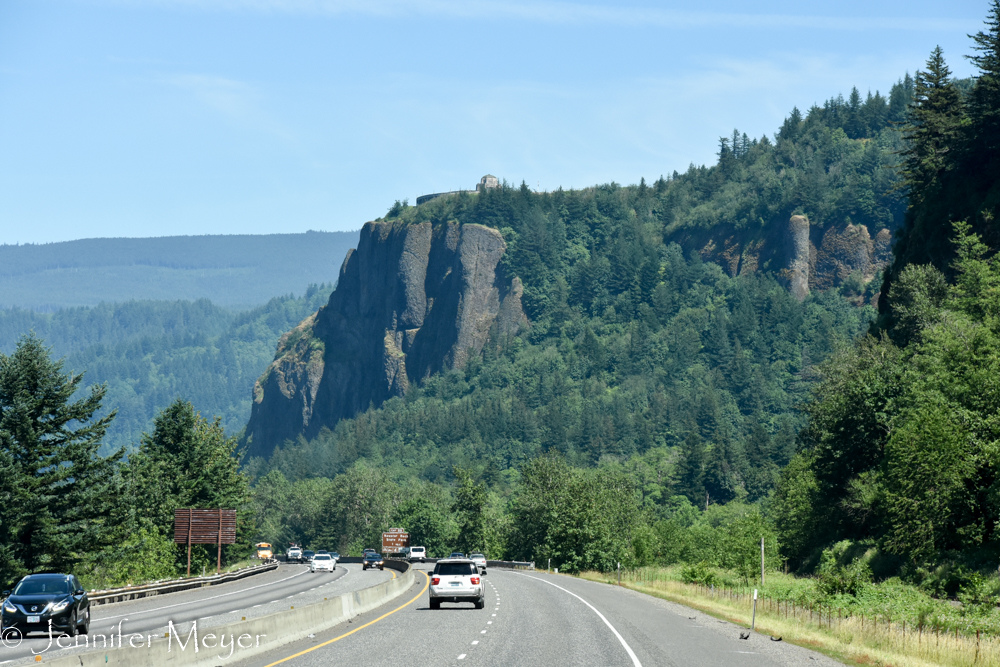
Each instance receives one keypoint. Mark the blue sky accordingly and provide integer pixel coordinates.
(162, 117)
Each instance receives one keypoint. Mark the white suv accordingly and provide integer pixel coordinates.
(417, 553)
(456, 580)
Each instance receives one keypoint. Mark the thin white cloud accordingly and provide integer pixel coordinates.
(572, 13)
(237, 101)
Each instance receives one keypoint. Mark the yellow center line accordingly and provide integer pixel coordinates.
(335, 639)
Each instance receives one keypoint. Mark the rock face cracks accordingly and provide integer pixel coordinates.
(410, 301)
(805, 257)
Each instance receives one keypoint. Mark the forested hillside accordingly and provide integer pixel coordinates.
(648, 372)
(660, 410)
(149, 353)
(899, 456)
(238, 271)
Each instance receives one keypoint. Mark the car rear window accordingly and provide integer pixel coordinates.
(322, 557)
(455, 568)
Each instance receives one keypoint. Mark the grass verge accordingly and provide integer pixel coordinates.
(851, 639)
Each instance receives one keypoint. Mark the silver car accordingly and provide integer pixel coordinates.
(480, 561)
(322, 562)
(456, 580)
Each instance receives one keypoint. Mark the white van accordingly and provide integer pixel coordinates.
(417, 554)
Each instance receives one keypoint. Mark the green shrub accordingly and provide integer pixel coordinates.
(699, 573)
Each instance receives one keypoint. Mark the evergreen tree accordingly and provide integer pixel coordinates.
(984, 105)
(186, 462)
(721, 483)
(691, 469)
(932, 128)
(470, 508)
(54, 486)
(900, 97)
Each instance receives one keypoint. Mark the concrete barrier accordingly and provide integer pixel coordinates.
(234, 641)
(114, 595)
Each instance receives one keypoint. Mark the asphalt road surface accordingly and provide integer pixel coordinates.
(533, 618)
(259, 595)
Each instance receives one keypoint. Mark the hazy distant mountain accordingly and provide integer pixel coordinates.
(235, 271)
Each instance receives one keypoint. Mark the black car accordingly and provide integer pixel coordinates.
(40, 598)
(372, 559)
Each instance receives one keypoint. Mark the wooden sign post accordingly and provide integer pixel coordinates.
(204, 526)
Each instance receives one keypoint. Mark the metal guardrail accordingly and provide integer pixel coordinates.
(510, 564)
(503, 564)
(114, 595)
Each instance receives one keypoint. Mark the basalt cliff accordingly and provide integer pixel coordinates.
(805, 257)
(411, 300)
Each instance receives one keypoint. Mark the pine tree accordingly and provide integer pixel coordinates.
(720, 474)
(186, 462)
(984, 105)
(691, 469)
(53, 484)
(933, 124)
(853, 126)
(900, 97)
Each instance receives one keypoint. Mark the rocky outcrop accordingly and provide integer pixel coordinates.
(411, 300)
(798, 228)
(806, 257)
(843, 251)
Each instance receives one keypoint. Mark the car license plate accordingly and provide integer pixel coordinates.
(34, 619)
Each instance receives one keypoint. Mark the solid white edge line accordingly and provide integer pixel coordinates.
(628, 649)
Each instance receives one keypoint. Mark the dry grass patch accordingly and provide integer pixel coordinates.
(849, 639)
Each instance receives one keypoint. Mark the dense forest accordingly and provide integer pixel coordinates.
(653, 390)
(149, 353)
(899, 456)
(234, 271)
(661, 411)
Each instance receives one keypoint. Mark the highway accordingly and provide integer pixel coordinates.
(533, 618)
(259, 595)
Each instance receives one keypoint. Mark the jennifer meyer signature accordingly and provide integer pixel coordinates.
(12, 638)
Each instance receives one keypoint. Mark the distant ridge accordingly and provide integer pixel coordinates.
(235, 271)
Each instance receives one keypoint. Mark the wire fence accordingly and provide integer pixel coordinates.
(936, 642)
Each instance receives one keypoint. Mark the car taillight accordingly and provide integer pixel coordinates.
(435, 581)
(475, 581)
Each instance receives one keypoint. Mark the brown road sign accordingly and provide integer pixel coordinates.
(193, 526)
(214, 526)
(395, 539)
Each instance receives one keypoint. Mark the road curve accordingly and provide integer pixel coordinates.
(259, 595)
(533, 618)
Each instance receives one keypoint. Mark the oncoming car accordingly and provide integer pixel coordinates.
(372, 560)
(40, 598)
(322, 562)
(456, 580)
